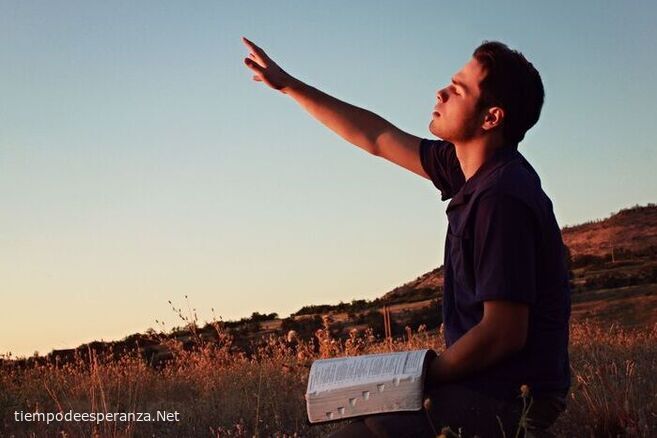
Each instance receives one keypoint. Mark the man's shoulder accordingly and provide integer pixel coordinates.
(517, 179)
(439, 161)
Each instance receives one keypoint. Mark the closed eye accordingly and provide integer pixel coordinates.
(459, 85)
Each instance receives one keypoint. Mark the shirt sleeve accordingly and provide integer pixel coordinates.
(505, 250)
(439, 161)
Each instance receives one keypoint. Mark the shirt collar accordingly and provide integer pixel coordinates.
(500, 157)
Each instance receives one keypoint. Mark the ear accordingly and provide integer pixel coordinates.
(493, 118)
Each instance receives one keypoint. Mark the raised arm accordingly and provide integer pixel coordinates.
(358, 126)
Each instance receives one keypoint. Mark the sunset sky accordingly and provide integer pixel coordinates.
(139, 163)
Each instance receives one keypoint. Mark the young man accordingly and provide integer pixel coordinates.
(506, 302)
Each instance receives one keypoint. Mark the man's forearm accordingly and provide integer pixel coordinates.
(475, 350)
(356, 125)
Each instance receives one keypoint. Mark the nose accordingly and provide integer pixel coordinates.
(441, 95)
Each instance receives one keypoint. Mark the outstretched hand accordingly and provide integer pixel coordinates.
(264, 69)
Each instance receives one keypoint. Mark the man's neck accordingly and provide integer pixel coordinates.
(473, 154)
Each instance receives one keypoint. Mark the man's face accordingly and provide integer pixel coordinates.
(455, 117)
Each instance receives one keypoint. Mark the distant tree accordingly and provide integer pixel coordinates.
(258, 317)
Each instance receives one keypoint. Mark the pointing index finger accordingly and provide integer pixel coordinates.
(257, 50)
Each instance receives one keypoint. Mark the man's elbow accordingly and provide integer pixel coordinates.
(366, 142)
(520, 343)
(506, 341)
(508, 323)
(374, 148)
(512, 342)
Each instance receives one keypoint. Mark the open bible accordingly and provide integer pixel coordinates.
(361, 385)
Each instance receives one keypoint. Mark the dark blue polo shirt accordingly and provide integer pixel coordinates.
(503, 243)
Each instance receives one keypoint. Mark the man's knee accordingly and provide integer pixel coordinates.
(407, 424)
(397, 425)
(542, 415)
(355, 429)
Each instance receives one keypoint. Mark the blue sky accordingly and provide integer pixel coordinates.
(139, 163)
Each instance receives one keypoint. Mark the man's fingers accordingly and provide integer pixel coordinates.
(260, 63)
(252, 46)
(256, 58)
(253, 65)
(248, 43)
(255, 49)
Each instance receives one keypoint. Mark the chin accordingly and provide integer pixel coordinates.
(435, 130)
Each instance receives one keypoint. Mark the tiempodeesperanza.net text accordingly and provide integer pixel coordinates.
(95, 417)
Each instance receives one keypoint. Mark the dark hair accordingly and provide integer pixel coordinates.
(512, 83)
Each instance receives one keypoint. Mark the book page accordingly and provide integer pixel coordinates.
(330, 374)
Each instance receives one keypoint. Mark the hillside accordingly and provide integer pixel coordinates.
(618, 286)
(613, 266)
(631, 230)
(432, 280)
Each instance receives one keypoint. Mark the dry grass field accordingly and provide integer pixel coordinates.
(220, 392)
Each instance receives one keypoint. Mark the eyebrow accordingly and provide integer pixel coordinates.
(460, 84)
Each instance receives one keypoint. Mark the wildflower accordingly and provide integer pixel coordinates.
(427, 404)
(447, 432)
(291, 336)
(524, 391)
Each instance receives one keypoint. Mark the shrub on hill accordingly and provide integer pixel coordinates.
(615, 279)
(354, 306)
